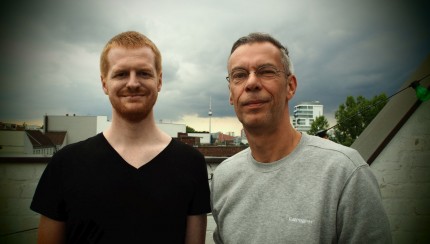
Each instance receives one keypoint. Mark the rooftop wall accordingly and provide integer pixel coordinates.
(18, 181)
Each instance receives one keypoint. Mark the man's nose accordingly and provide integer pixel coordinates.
(133, 80)
(253, 82)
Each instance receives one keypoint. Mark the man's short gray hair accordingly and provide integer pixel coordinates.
(263, 37)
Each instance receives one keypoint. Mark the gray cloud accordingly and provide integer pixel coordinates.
(339, 48)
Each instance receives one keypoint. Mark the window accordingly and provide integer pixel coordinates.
(301, 121)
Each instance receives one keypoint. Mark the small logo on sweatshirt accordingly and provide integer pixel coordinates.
(299, 220)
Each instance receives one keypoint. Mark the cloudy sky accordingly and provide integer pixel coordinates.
(50, 51)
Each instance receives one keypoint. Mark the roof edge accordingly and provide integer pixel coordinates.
(392, 117)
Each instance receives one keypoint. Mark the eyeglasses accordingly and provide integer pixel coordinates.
(265, 72)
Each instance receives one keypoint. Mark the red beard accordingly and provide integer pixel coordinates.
(134, 111)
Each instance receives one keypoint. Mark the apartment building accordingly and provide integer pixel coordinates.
(305, 114)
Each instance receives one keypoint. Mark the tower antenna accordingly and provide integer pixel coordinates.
(210, 116)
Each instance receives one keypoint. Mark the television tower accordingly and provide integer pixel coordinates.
(210, 115)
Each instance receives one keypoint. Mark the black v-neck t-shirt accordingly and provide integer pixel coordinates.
(103, 199)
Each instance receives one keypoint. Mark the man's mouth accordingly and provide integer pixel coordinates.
(132, 95)
(254, 103)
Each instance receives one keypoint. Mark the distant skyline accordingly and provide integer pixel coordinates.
(50, 52)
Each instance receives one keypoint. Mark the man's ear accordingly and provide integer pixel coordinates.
(291, 86)
(231, 100)
(103, 80)
(160, 82)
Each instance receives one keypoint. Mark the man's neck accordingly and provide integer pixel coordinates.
(272, 146)
(136, 142)
(125, 132)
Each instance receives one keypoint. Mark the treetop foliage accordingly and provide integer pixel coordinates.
(354, 115)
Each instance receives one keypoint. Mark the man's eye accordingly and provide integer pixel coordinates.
(120, 75)
(239, 75)
(267, 72)
(145, 74)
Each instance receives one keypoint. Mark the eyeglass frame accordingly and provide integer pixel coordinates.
(257, 73)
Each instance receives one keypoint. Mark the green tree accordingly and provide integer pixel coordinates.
(189, 129)
(320, 123)
(354, 115)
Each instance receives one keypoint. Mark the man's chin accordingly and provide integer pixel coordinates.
(133, 116)
(254, 122)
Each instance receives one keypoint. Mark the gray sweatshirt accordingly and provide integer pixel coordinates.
(322, 192)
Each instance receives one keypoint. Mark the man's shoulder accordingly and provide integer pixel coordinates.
(182, 148)
(326, 148)
(234, 161)
(325, 144)
(81, 146)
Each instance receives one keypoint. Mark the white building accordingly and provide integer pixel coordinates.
(82, 127)
(78, 128)
(305, 113)
(61, 130)
(172, 129)
(205, 137)
(29, 142)
(14, 142)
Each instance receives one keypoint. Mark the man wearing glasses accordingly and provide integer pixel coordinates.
(288, 187)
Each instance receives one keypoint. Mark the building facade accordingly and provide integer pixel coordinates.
(61, 130)
(305, 114)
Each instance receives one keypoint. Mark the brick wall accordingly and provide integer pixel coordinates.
(190, 140)
(403, 173)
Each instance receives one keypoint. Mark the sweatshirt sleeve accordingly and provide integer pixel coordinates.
(361, 216)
